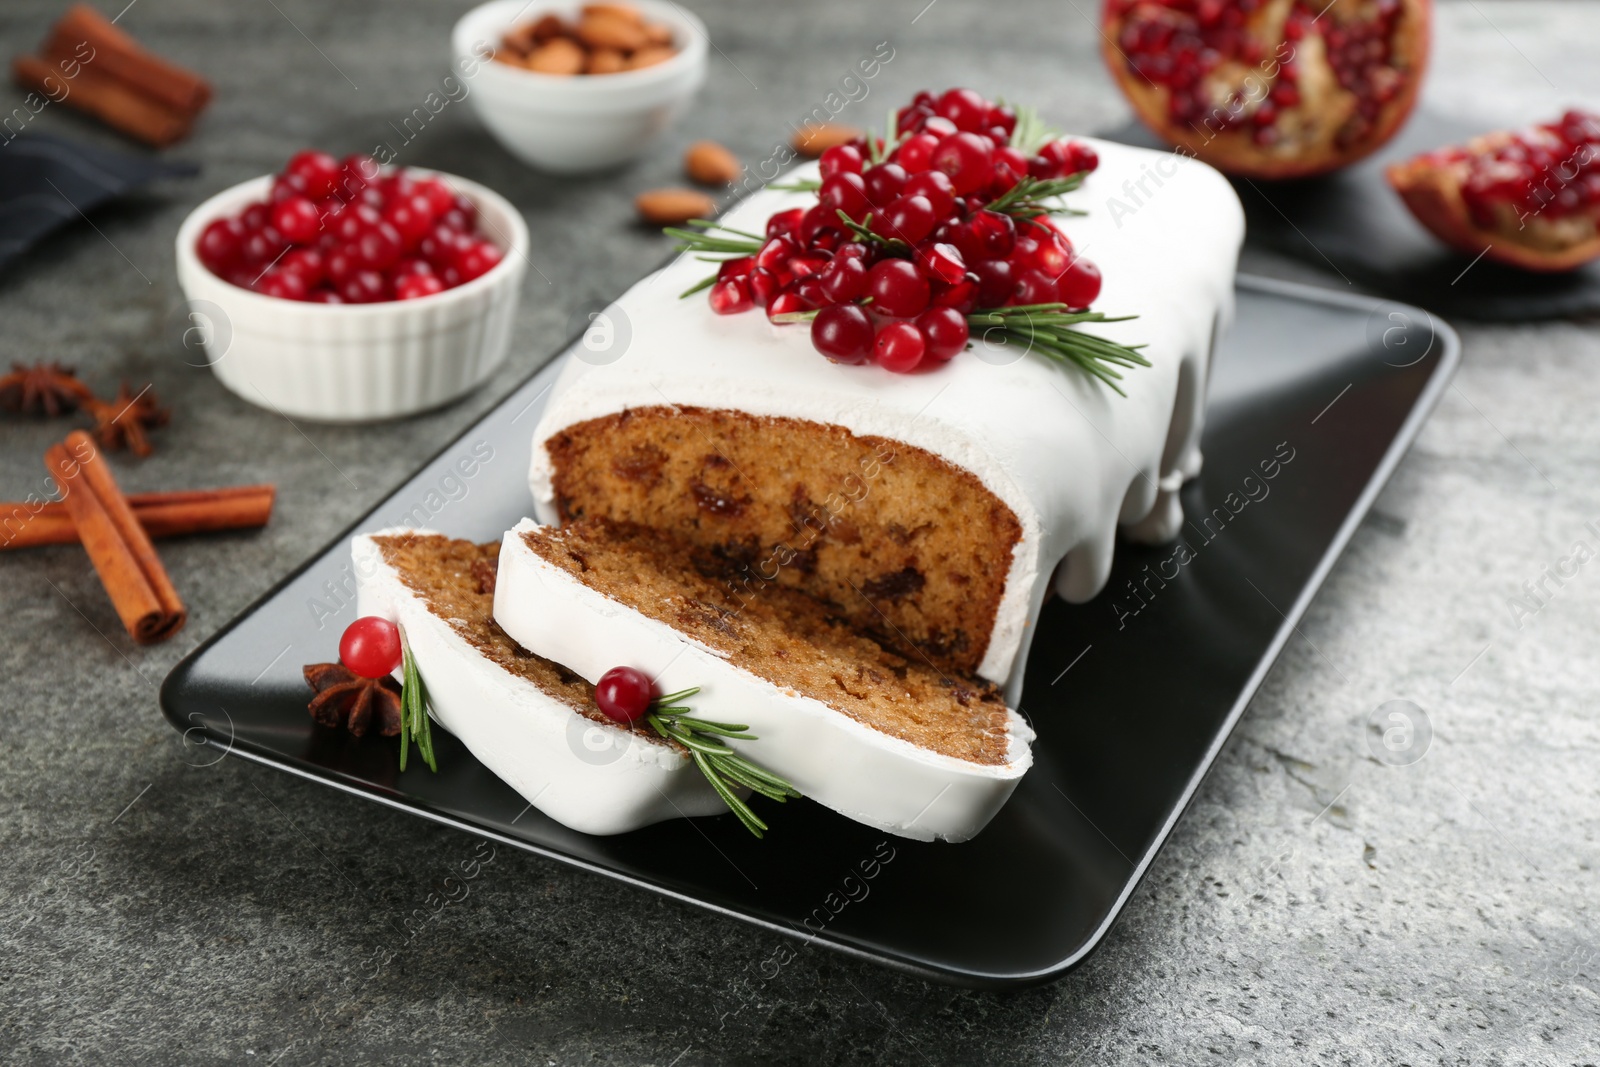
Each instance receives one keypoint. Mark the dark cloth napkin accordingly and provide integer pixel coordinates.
(47, 182)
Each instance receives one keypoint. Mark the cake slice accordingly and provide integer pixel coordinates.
(890, 740)
(529, 720)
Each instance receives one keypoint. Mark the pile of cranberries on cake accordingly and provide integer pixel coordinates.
(911, 235)
(350, 232)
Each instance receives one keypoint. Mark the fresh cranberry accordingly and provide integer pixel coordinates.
(942, 261)
(899, 347)
(963, 236)
(844, 279)
(455, 220)
(413, 286)
(254, 216)
(816, 224)
(910, 218)
(624, 694)
(731, 296)
(477, 259)
(1053, 254)
(785, 222)
(341, 263)
(414, 265)
(221, 244)
(897, 288)
(944, 330)
(1079, 284)
(317, 170)
(1034, 287)
(379, 248)
(359, 169)
(411, 216)
(286, 187)
(324, 295)
(1084, 158)
(916, 154)
(809, 290)
(468, 210)
(846, 193)
(967, 109)
(840, 159)
(1041, 168)
(296, 218)
(884, 182)
(843, 333)
(936, 186)
(307, 263)
(364, 287)
(801, 266)
(1060, 155)
(370, 646)
(1003, 117)
(285, 285)
(261, 247)
(1010, 167)
(440, 198)
(939, 126)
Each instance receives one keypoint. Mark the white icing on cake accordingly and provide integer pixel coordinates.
(1071, 458)
(593, 777)
(843, 764)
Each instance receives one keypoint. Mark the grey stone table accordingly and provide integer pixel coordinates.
(1313, 906)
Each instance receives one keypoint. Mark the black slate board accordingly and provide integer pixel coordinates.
(1130, 709)
(1352, 225)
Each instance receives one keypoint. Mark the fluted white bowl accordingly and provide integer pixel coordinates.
(355, 362)
(577, 123)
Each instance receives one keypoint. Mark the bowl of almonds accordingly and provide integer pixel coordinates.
(572, 88)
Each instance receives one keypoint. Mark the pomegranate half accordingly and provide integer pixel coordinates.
(1269, 88)
(1530, 198)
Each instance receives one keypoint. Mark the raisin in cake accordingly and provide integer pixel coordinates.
(930, 510)
(531, 721)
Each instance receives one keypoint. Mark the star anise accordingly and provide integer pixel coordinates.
(42, 389)
(344, 698)
(121, 423)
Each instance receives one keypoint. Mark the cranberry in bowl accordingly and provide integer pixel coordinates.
(345, 291)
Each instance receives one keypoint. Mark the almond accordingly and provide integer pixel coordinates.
(519, 40)
(621, 11)
(557, 56)
(650, 56)
(658, 33)
(709, 163)
(548, 27)
(815, 138)
(673, 207)
(607, 29)
(605, 61)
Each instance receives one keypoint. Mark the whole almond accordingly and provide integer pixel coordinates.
(657, 33)
(605, 61)
(520, 40)
(673, 207)
(556, 56)
(650, 56)
(549, 26)
(621, 11)
(606, 29)
(709, 163)
(815, 138)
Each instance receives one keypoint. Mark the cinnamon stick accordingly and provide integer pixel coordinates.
(117, 545)
(119, 56)
(169, 514)
(107, 99)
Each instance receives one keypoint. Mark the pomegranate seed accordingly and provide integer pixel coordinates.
(763, 284)
(898, 289)
(800, 266)
(730, 296)
(843, 333)
(1010, 167)
(939, 126)
(995, 234)
(1003, 117)
(944, 331)
(844, 280)
(736, 268)
(962, 296)
(899, 348)
(996, 282)
(776, 252)
(623, 694)
(786, 303)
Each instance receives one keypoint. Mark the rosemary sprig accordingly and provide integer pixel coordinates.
(864, 232)
(709, 244)
(1032, 196)
(725, 769)
(1031, 133)
(799, 185)
(414, 722)
(1048, 329)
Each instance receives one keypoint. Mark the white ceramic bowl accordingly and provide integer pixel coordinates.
(569, 125)
(354, 362)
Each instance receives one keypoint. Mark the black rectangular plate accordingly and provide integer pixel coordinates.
(1131, 709)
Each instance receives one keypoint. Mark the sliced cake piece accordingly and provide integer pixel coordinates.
(529, 720)
(887, 740)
